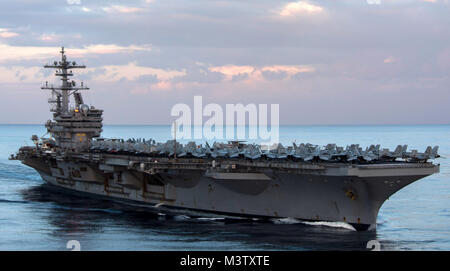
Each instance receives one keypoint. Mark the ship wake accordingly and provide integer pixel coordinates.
(290, 220)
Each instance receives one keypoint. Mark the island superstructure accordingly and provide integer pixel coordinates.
(301, 181)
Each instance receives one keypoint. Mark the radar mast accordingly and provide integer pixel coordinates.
(68, 87)
(72, 128)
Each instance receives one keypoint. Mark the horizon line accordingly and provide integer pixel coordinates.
(339, 124)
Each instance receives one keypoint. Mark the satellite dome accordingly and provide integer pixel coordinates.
(84, 108)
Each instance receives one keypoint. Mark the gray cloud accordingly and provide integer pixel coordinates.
(147, 78)
(200, 75)
(270, 75)
(239, 77)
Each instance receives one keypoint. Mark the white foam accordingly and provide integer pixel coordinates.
(330, 224)
(290, 220)
(287, 220)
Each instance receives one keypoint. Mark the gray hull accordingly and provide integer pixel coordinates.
(347, 194)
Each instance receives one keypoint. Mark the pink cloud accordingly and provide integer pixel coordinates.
(12, 52)
(5, 33)
(299, 8)
(389, 60)
(121, 9)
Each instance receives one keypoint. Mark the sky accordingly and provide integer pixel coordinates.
(324, 62)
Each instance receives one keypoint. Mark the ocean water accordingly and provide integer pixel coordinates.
(36, 216)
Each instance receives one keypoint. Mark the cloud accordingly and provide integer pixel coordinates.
(21, 74)
(49, 37)
(239, 77)
(110, 49)
(86, 9)
(389, 60)
(121, 9)
(299, 8)
(148, 79)
(274, 72)
(270, 75)
(12, 52)
(145, 89)
(74, 2)
(290, 70)
(231, 70)
(5, 33)
(134, 72)
(198, 74)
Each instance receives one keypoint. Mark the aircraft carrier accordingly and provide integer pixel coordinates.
(301, 181)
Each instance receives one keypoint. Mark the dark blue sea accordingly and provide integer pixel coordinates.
(36, 216)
